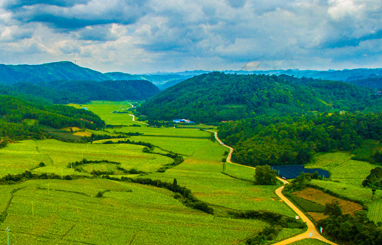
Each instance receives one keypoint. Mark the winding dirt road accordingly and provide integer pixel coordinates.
(311, 232)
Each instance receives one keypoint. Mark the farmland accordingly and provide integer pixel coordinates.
(69, 211)
(52, 212)
(346, 179)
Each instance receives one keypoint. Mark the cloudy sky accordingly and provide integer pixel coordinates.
(138, 36)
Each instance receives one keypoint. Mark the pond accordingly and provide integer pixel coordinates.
(292, 171)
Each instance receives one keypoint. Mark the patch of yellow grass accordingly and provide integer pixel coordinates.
(83, 134)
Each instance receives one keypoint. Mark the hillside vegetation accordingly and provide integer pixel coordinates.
(219, 97)
(291, 140)
(21, 119)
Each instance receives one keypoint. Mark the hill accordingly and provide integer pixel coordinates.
(216, 97)
(21, 119)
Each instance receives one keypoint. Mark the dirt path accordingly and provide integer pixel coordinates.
(311, 232)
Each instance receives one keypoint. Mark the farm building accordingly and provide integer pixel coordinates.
(182, 121)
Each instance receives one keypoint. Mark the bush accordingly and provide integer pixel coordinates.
(41, 164)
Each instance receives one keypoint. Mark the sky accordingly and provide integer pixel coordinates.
(145, 36)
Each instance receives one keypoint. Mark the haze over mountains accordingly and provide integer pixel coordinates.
(68, 71)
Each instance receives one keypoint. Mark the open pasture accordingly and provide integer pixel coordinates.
(67, 212)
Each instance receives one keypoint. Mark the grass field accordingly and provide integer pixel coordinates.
(67, 212)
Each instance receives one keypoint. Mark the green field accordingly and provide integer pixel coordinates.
(105, 110)
(342, 168)
(68, 212)
(21, 156)
(346, 180)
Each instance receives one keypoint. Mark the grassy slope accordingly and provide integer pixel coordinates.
(348, 175)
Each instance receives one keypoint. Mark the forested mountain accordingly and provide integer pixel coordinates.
(48, 72)
(14, 111)
(216, 97)
(106, 90)
(294, 140)
(64, 92)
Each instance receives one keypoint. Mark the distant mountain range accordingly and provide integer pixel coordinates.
(68, 71)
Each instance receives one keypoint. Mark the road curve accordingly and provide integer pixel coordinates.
(311, 232)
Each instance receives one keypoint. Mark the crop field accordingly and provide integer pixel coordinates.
(319, 197)
(67, 212)
(201, 172)
(105, 110)
(238, 171)
(183, 132)
(18, 157)
(342, 168)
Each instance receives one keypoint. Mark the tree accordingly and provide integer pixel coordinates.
(265, 175)
(333, 209)
(374, 180)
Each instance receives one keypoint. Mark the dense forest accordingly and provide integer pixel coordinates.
(294, 140)
(217, 97)
(15, 113)
(64, 92)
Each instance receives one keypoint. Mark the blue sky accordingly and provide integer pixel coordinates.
(174, 35)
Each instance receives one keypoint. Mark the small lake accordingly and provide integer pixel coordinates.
(292, 171)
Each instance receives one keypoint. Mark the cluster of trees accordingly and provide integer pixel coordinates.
(374, 180)
(16, 110)
(294, 140)
(357, 229)
(219, 97)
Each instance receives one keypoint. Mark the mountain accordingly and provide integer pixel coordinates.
(105, 90)
(216, 97)
(48, 72)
